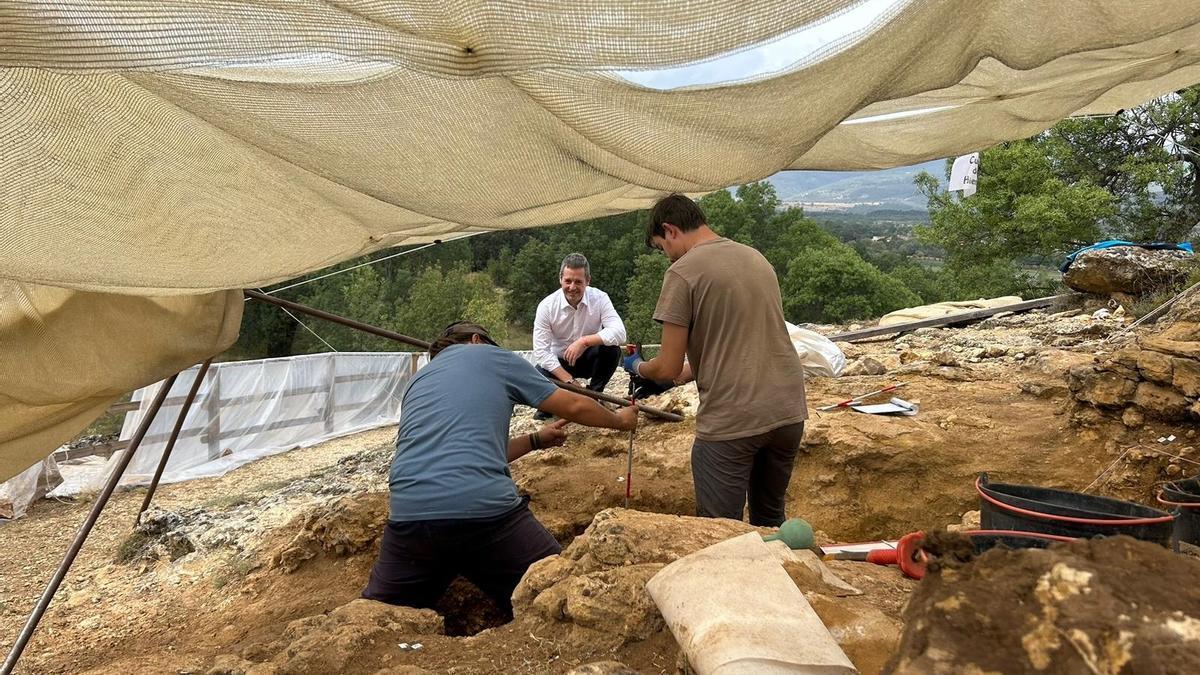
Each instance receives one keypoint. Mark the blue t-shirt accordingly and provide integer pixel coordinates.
(452, 448)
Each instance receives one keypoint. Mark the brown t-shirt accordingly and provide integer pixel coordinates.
(749, 376)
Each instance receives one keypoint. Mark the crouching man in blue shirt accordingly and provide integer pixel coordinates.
(454, 508)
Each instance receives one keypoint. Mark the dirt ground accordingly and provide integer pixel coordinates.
(860, 477)
(1099, 605)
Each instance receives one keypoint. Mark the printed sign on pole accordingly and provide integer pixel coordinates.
(965, 174)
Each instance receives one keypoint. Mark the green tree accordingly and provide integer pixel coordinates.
(1022, 209)
(643, 289)
(834, 285)
(761, 204)
(439, 298)
(930, 285)
(797, 234)
(1134, 175)
(1146, 157)
(266, 332)
(534, 275)
(357, 294)
(727, 216)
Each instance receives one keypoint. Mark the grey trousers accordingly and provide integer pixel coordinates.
(757, 469)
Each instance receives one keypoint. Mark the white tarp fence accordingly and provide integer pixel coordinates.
(18, 492)
(247, 410)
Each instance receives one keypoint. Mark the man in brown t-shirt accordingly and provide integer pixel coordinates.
(720, 305)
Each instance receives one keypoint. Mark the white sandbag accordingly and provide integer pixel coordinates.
(818, 354)
(733, 609)
(944, 309)
(18, 492)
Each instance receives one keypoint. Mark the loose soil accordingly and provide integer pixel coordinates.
(1098, 606)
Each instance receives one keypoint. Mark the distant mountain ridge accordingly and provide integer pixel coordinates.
(855, 190)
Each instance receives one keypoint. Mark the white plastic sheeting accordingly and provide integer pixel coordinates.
(247, 410)
(18, 492)
(819, 356)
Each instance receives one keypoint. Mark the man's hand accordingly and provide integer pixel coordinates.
(630, 363)
(575, 350)
(628, 417)
(554, 434)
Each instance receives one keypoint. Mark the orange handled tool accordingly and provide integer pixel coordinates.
(907, 554)
(879, 556)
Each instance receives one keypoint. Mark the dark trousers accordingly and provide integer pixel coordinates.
(418, 560)
(757, 469)
(595, 363)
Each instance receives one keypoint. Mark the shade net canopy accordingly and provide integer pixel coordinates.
(180, 149)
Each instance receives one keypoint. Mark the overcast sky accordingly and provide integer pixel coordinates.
(776, 56)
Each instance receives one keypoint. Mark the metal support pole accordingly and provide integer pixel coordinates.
(392, 335)
(81, 536)
(629, 461)
(162, 464)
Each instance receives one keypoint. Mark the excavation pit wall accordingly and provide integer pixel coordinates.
(304, 548)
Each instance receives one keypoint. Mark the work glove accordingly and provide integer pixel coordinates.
(643, 387)
(630, 363)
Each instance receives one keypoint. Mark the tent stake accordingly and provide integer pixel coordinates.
(392, 335)
(81, 536)
(162, 464)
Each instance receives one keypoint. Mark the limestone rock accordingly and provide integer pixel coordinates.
(159, 534)
(1161, 402)
(867, 635)
(598, 583)
(339, 527)
(1154, 366)
(625, 537)
(1126, 357)
(969, 521)
(229, 664)
(995, 351)
(1133, 418)
(541, 575)
(849, 349)
(613, 601)
(946, 358)
(1127, 269)
(1185, 376)
(330, 643)
(865, 366)
(1100, 387)
(1180, 339)
(1045, 375)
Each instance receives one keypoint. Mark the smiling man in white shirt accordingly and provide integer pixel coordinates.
(577, 331)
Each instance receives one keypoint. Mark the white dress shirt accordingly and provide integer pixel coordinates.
(558, 324)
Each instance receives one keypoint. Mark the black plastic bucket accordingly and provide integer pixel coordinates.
(1186, 491)
(1028, 508)
(1184, 495)
(985, 540)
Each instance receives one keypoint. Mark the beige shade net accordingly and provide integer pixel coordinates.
(178, 149)
(68, 354)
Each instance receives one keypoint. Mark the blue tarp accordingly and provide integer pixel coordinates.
(1157, 245)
